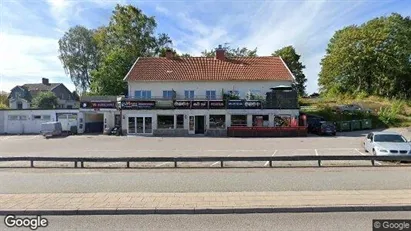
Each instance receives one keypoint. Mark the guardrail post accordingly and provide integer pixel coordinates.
(32, 163)
(271, 163)
(175, 164)
(82, 164)
(373, 162)
(128, 164)
(75, 164)
(319, 163)
(222, 164)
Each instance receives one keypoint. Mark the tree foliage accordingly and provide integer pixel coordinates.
(79, 55)
(101, 58)
(45, 100)
(292, 59)
(231, 52)
(129, 35)
(4, 101)
(373, 58)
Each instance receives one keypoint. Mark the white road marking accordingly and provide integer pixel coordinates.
(316, 152)
(216, 162)
(376, 162)
(266, 163)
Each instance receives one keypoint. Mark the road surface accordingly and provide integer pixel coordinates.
(202, 180)
(292, 221)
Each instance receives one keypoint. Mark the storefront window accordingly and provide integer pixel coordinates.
(165, 121)
(239, 120)
(180, 121)
(148, 125)
(131, 125)
(282, 121)
(217, 121)
(260, 120)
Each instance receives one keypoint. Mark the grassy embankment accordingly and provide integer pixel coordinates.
(385, 112)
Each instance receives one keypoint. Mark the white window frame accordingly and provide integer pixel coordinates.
(168, 94)
(188, 93)
(209, 94)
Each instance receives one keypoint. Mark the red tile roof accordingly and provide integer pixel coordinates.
(209, 69)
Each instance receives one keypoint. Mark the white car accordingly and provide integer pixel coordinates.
(387, 143)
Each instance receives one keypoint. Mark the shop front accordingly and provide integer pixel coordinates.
(97, 115)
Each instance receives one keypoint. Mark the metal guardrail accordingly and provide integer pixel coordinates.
(176, 160)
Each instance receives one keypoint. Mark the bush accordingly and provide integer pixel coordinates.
(45, 100)
(3, 106)
(389, 115)
(362, 95)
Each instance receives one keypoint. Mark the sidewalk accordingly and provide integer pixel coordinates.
(139, 202)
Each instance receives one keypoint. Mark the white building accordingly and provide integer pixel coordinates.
(182, 96)
(28, 121)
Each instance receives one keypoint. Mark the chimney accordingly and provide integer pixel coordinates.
(45, 81)
(219, 53)
(169, 54)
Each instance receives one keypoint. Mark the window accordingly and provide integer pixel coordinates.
(217, 121)
(165, 122)
(69, 106)
(239, 120)
(210, 94)
(13, 117)
(260, 120)
(19, 105)
(46, 117)
(36, 117)
(282, 121)
(23, 117)
(144, 94)
(180, 121)
(189, 94)
(168, 94)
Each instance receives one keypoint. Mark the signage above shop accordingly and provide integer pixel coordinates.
(244, 104)
(98, 105)
(217, 104)
(252, 104)
(138, 105)
(199, 104)
(182, 104)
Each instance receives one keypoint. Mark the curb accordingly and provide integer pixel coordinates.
(142, 211)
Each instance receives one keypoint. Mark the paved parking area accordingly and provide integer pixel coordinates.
(130, 146)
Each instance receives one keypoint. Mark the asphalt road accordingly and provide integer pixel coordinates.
(291, 221)
(202, 180)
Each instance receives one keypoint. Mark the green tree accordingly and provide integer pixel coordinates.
(4, 100)
(79, 55)
(129, 35)
(231, 52)
(373, 58)
(292, 59)
(45, 100)
(75, 96)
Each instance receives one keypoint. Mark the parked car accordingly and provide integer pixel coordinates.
(312, 120)
(350, 108)
(325, 128)
(387, 143)
(51, 129)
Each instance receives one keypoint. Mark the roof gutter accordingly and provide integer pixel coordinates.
(132, 67)
(287, 68)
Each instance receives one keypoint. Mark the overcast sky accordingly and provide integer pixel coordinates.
(30, 29)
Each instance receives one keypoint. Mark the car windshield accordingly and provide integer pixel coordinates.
(389, 138)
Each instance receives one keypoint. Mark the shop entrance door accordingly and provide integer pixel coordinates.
(199, 122)
(140, 125)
